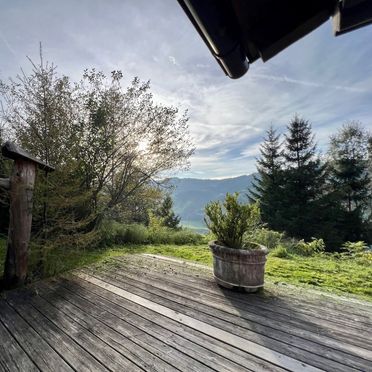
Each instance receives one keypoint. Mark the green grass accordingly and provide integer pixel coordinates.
(321, 271)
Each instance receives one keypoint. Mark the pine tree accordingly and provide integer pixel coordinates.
(304, 181)
(351, 180)
(267, 185)
(166, 213)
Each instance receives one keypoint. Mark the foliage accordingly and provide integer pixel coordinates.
(230, 220)
(269, 238)
(166, 213)
(112, 233)
(303, 182)
(109, 144)
(351, 179)
(358, 251)
(355, 247)
(306, 195)
(267, 184)
(309, 248)
(280, 251)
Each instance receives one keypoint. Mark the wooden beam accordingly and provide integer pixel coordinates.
(20, 218)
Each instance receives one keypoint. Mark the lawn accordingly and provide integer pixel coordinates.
(320, 271)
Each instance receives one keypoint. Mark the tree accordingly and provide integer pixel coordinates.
(126, 139)
(166, 213)
(267, 185)
(350, 177)
(304, 182)
(40, 111)
(110, 144)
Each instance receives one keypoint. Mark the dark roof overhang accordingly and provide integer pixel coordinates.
(238, 32)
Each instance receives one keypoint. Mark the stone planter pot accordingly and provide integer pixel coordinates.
(239, 267)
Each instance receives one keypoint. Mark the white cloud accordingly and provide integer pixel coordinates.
(325, 79)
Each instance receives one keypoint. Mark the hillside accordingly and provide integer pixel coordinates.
(190, 195)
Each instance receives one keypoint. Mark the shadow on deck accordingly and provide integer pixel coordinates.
(149, 313)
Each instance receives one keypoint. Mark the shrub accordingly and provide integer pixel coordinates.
(112, 232)
(136, 234)
(308, 249)
(186, 236)
(266, 237)
(354, 247)
(280, 251)
(230, 220)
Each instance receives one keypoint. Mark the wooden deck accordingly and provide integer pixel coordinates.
(142, 313)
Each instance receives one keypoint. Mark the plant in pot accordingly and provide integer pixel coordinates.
(236, 262)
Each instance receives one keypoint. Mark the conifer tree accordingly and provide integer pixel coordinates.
(351, 180)
(166, 213)
(304, 181)
(268, 184)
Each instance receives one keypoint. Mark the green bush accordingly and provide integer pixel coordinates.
(354, 247)
(269, 238)
(280, 251)
(112, 232)
(230, 220)
(186, 236)
(136, 234)
(310, 248)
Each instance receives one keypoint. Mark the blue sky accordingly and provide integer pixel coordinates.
(326, 80)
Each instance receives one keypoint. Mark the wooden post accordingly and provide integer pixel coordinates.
(20, 218)
(21, 186)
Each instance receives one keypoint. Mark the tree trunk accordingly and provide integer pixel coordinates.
(21, 191)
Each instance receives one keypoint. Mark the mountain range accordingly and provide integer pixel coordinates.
(190, 195)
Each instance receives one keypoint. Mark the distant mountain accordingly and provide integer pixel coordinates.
(190, 195)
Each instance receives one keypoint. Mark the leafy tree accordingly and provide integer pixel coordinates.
(166, 214)
(126, 139)
(350, 177)
(267, 186)
(304, 182)
(109, 145)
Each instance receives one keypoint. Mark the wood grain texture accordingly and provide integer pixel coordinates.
(140, 313)
(20, 218)
(229, 338)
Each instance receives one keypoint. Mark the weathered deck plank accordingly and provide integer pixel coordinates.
(141, 313)
(292, 347)
(217, 332)
(135, 342)
(321, 305)
(116, 305)
(37, 349)
(302, 326)
(67, 348)
(12, 356)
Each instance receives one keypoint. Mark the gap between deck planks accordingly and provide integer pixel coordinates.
(233, 340)
(126, 282)
(329, 301)
(132, 316)
(320, 358)
(257, 316)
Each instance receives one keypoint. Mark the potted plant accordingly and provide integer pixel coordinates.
(236, 262)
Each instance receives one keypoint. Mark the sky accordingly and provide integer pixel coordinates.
(324, 79)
